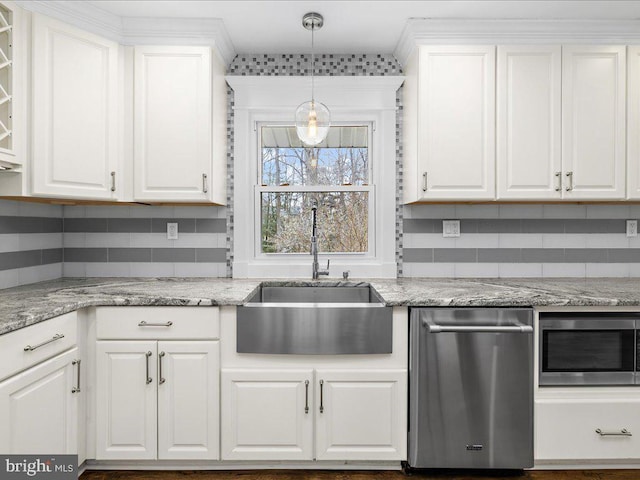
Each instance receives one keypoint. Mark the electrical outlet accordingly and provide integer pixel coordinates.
(172, 231)
(632, 228)
(451, 228)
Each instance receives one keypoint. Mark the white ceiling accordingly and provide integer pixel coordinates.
(367, 26)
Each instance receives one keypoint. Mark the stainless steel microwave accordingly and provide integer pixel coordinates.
(589, 349)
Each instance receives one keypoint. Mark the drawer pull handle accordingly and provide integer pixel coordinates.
(204, 183)
(145, 324)
(622, 433)
(30, 348)
(570, 177)
(113, 181)
(148, 379)
(321, 396)
(162, 379)
(76, 389)
(558, 181)
(306, 396)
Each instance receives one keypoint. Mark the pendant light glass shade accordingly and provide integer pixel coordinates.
(313, 120)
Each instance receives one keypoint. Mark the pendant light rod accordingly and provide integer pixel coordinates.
(312, 21)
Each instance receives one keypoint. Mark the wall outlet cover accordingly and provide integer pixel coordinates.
(172, 231)
(451, 228)
(632, 228)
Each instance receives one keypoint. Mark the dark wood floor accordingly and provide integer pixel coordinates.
(355, 475)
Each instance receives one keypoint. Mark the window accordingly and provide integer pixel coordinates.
(335, 176)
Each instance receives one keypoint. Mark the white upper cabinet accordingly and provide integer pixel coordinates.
(633, 123)
(593, 122)
(529, 164)
(75, 107)
(176, 157)
(455, 118)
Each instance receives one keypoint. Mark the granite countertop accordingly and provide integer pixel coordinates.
(29, 304)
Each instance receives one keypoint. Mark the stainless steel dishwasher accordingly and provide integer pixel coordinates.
(471, 388)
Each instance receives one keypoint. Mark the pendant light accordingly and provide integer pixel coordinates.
(313, 119)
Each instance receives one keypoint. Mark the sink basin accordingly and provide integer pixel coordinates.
(314, 320)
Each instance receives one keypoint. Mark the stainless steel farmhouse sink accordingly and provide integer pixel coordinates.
(314, 320)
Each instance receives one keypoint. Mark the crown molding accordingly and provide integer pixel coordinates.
(138, 30)
(425, 31)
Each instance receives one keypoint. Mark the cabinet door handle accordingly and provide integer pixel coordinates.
(424, 182)
(205, 189)
(321, 397)
(113, 181)
(306, 396)
(30, 348)
(148, 379)
(76, 389)
(160, 357)
(615, 433)
(145, 324)
(558, 181)
(570, 177)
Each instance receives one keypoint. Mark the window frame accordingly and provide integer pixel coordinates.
(259, 189)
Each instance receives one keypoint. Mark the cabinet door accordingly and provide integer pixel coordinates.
(265, 415)
(633, 123)
(75, 104)
(361, 415)
(593, 122)
(172, 123)
(39, 411)
(456, 122)
(188, 400)
(528, 122)
(126, 410)
(566, 428)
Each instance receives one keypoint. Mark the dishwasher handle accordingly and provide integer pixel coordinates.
(433, 327)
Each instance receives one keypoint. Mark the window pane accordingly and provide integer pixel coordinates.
(342, 159)
(342, 222)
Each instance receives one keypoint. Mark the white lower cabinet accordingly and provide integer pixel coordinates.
(571, 428)
(157, 399)
(277, 414)
(39, 408)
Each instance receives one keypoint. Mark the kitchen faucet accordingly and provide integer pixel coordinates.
(314, 245)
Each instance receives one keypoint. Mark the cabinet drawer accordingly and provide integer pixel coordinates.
(40, 338)
(566, 429)
(157, 323)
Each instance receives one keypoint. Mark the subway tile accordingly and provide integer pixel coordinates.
(108, 269)
(9, 242)
(73, 239)
(151, 269)
(422, 225)
(608, 211)
(138, 225)
(85, 225)
(129, 254)
(564, 211)
(21, 259)
(430, 211)
(563, 270)
(499, 225)
(585, 255)
(634, 270)
(211, 225)
(197, 269)
(521, 211)
(74, 211)
(211, 255)
(51, 255)
(564, 240)
(29, 209)
(519, 240)
(51, 225)
(173, 255)
(201, 240)
(417, 255)
(9, 278)
(606, 240)
(470, 270)
(542, 226)
(199, 212)
(607, 270)
(185, 225)
(74, 269)
(453, 255)
(427, 240)
(9, 207)
(440, 270)
(477, 211)
(624, 255)
(107, 240)
(518, 270)
(107, 211)
(499, 255)
(477, 240)
(39, 273)
(542, 255)
(595, 226)
(466, 226)
(9, 224)
(37, 241)
(152, 240)
(151, 211)
(85, 255)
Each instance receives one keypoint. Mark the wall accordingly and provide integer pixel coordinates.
(30, 243)
(131, 241)
(521, 241)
